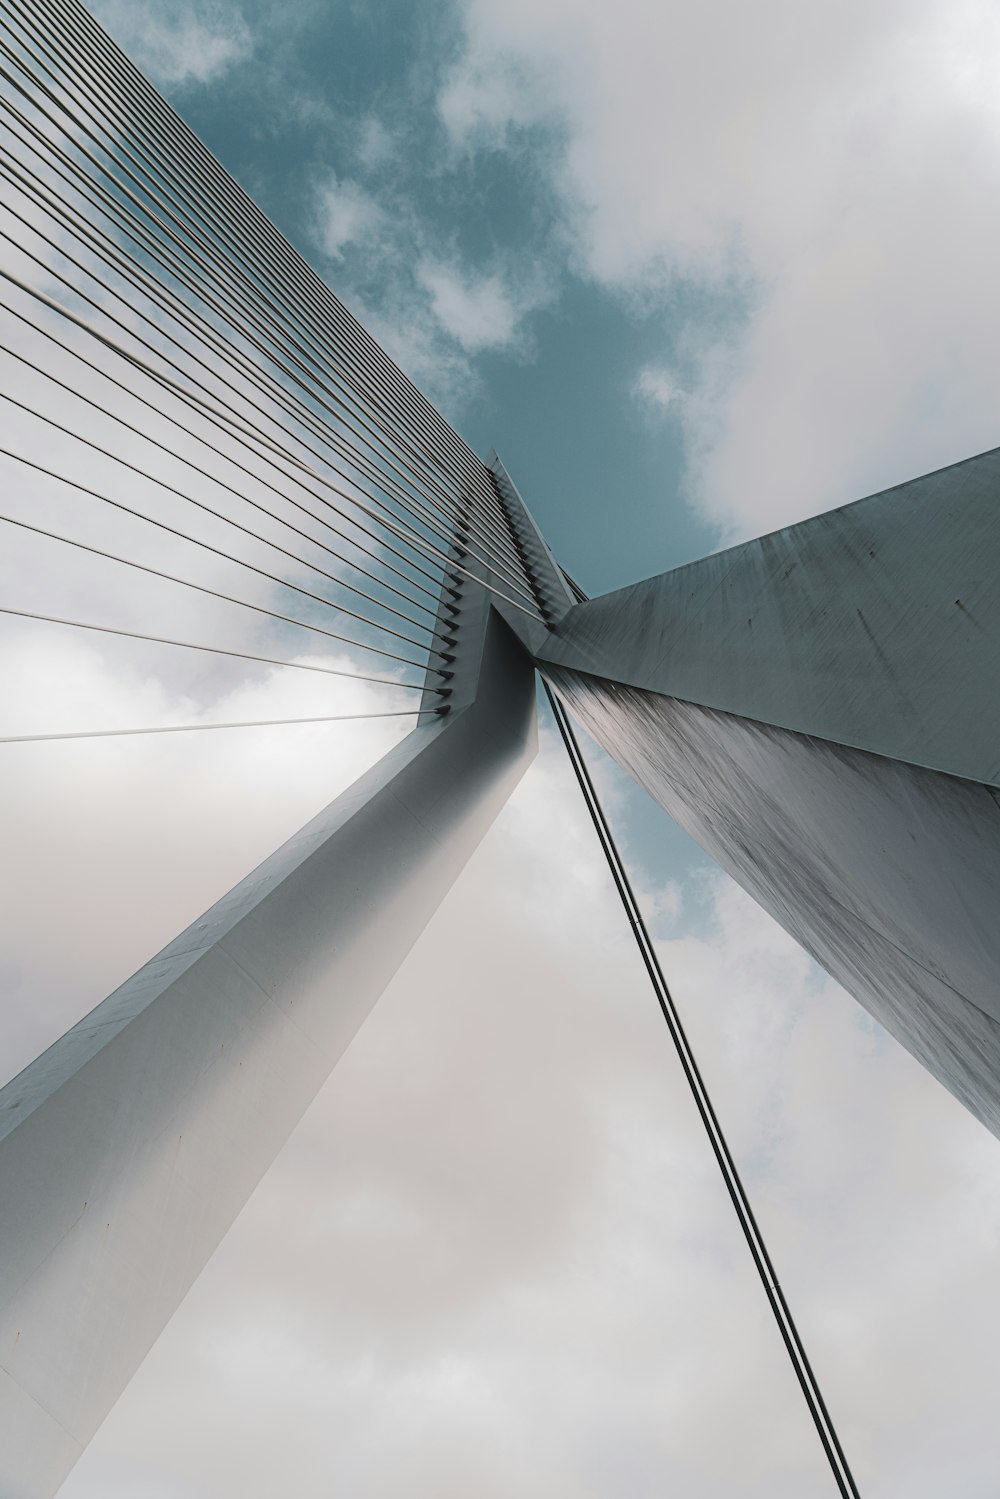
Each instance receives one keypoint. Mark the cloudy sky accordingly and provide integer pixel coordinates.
(696, 271)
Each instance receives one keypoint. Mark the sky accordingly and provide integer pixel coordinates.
(696, 272)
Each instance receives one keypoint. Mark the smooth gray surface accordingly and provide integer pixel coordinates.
(876, 625)
(128, 1148)
(887, 873)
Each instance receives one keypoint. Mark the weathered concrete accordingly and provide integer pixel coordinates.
(820, 710)
(875, 626)
(887, 873)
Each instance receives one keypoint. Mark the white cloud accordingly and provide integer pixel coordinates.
(195, 41)
(432, 311)
(346, 215)
(841, 163)
(495, 1258)
(499, 1234)
(656, 388)
(376, 143)
(145, 808)
(479, 106)
(478, 312)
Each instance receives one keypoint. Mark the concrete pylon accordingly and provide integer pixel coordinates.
(129, 1147)
(820, 710)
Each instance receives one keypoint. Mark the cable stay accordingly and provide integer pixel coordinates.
(152, 223)
(209, 510)
(227, 266)
(734, 1186)
(228, 598)
(418, 543)
(237, 561)
(193, 728)
(225, 419)
(122, 129)
(127, 83)
(218, 650)
(202, 333)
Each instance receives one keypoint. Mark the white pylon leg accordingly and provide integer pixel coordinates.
(128, 1148)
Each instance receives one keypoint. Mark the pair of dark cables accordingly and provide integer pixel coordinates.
(699, 1092)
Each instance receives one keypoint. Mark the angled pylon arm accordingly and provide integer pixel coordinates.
(875, 625)
(129, 1147)
(820, 710)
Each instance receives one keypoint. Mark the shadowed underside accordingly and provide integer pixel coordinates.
(820, 710)
(886, 873)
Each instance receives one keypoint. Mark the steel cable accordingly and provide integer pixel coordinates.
(224, 420)
(156, 572)
(218, 650)
(416, 542)
(699, 1092)
(220, 515)
(227, 556)
(193, 728)
(121, 85)
(197, 255)
(125, 79)
(179, 312)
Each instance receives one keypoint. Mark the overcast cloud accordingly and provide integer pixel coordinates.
(494, 1259)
